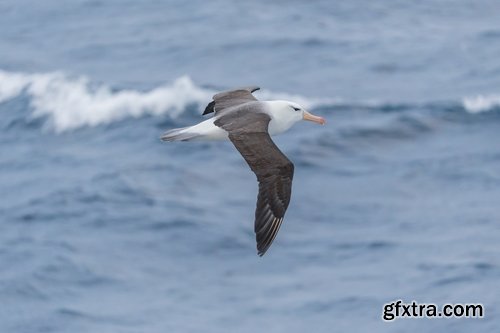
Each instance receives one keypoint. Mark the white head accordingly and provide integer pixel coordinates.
(286, 113)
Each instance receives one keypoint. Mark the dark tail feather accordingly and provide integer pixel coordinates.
(178, 134)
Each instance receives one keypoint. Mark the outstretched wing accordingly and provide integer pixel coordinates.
(230, 98)
(274, 171)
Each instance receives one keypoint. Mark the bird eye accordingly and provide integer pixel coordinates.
(296, 109)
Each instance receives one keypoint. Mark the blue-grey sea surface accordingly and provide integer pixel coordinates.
(103, 228)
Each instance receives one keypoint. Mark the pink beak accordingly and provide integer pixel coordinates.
(311, 117)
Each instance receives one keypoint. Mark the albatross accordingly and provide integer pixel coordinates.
(249, 124)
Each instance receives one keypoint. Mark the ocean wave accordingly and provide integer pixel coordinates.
(69, 102)
(72, 102)
(481, 103)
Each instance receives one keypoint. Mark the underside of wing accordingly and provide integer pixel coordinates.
(230, 98)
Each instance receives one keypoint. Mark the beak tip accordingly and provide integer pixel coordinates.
(316, 119)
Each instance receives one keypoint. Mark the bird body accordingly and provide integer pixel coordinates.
(281, 120)
(249, 124)
(204, 131)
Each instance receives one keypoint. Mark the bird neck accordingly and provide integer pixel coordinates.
(282, 118)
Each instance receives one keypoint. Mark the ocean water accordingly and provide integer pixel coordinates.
(103, 228)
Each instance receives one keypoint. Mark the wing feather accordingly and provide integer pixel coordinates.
(274, 171)
(230, 98)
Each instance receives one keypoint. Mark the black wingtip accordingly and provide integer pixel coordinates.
(262, 250)
(209, 108)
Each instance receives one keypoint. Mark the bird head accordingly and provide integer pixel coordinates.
(302, 114)
(286, 114)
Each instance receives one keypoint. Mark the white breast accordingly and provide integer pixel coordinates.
(277, 126)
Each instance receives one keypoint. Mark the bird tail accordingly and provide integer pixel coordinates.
(179, 134)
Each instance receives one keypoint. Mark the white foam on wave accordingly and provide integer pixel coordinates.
(481, 103)
(72, 102)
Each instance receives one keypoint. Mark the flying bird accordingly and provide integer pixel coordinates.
(249, 123)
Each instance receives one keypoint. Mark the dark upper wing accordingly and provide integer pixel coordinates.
(230, 98)
(274, 171)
